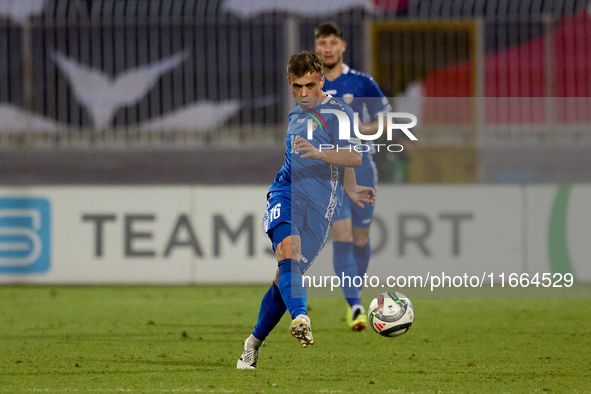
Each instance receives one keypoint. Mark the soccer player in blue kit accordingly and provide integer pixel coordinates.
(302, 200)
(350, 233)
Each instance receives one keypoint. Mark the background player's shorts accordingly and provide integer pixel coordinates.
(366, 175)
(284, 217)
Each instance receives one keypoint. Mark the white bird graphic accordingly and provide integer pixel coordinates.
(200, 116)
(102, 95)
(19, 11)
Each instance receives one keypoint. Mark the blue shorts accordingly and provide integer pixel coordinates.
(366, 175)
(285, 216)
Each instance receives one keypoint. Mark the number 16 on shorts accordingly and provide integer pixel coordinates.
(271, 216)
(275, 212)
(278, 211)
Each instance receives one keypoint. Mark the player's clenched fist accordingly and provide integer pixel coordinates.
(362, 194)
(304, 146)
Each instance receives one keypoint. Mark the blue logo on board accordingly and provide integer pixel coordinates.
(25, 235)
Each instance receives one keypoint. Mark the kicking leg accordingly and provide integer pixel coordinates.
(270, 313)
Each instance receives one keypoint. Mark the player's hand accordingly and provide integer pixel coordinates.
(362, 194)
(302, 145)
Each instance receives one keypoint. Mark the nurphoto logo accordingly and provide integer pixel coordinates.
(345, 129)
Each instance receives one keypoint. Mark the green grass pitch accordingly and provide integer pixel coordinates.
(188, 338)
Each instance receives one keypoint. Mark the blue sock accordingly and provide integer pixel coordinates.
(292, 289)
(362, 255)
(345, 267)
(272, 310)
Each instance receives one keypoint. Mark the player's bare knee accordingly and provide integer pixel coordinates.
(295, 253)
(341, 231)
(288, 249)
(361, 241)
(296, 249)
(342, 236)
(360, 236)
(283, 250)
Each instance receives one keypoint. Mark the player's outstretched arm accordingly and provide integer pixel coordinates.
(343, 157)
(358, 194)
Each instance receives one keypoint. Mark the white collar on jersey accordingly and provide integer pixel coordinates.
(328, 97)
(345, 69)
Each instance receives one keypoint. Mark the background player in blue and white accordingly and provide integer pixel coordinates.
(351, 228)
(302, 200)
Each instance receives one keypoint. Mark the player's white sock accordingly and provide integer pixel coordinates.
(253, 342)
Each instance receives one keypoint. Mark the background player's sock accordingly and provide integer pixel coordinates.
(362, 255)
(344, 266)
(292, 289)
(272, 309)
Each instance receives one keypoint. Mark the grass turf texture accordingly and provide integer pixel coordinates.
(187, 339)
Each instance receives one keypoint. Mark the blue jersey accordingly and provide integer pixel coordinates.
(317, 182)
(361, 92)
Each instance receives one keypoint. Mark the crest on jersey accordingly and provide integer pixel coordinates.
(317, 119)
(348, 98)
